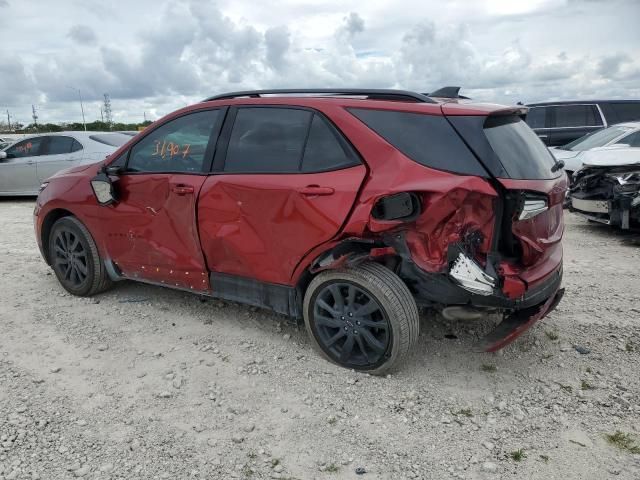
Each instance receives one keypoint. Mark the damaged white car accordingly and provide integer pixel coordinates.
(607, 188)
(622, 135)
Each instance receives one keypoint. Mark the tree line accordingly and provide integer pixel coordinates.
(97, 126)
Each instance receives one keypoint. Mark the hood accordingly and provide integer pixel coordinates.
(76, 169)
(602, 157)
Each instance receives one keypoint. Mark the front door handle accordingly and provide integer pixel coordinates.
(312, 190)
(181, 189)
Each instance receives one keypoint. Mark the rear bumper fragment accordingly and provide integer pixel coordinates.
(518, 322)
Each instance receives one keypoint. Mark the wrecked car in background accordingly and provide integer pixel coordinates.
(607, 188)
(345, 208)
(621, 135)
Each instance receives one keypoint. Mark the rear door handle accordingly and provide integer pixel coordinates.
(312, 190)
(181, 189)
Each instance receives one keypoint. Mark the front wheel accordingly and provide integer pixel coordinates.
(363, 318)
(75, 259)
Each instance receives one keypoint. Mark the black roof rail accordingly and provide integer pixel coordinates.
(447, 92)
(372, 94)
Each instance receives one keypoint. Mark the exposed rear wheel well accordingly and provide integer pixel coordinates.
(52, 217)
(348, 253)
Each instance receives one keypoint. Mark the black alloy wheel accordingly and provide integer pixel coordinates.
(74, 256)
(70, 258)
(351, 325)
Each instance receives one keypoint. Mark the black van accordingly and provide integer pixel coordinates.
(558, 123)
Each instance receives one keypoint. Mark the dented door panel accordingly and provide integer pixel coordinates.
(151, 232)
(261, 225)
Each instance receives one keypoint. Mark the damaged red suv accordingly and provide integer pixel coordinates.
(345, 208)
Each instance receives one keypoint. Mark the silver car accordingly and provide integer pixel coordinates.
(27, 163)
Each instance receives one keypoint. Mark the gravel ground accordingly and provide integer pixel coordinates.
(147, 383)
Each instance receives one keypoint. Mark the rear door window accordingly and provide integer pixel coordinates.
(567, 116)
(285, 140)
(59, 145)
(267, 140)
(426, 139)
(520, 151)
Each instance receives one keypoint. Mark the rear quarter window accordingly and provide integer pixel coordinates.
(426, 139)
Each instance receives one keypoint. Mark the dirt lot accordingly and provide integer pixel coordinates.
(146, 383)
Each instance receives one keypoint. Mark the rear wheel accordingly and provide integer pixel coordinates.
(363, 318)
(75, 259)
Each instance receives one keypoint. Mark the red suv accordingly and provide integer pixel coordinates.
(345, 208)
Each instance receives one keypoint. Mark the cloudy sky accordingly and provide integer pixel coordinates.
(153, 56)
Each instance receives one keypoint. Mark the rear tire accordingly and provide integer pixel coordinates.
(364, 318)
(75, 259)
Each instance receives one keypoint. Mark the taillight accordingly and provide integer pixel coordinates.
(532, 205)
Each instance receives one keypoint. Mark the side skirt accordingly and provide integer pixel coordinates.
(279, 298)
(273, 296)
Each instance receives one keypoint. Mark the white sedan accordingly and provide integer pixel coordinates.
(616, 136)
(27, 163)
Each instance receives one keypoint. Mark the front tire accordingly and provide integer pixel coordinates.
(75, 259)
(363, 318)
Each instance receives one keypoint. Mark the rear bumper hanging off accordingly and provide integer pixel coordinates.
(518, 322)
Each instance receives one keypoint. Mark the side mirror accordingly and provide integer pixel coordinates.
(103, 189)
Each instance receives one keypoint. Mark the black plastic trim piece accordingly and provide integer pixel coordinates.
(279, 298)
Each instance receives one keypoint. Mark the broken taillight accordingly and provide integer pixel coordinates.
(532, 205)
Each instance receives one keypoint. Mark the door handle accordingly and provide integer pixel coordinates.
(313, 190)
(181, 189)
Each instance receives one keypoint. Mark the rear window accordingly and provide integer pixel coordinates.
(519, 149)
(111, 139)
(426, 139)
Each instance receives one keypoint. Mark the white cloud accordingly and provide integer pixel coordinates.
(155, 57)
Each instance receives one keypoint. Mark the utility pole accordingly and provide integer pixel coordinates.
(107, 110)
(8, 120)
(34, 116)
(101, 115)
(144, 114)
(81, 106)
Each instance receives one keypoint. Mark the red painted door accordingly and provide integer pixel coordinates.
(261, 225)
(151, 232)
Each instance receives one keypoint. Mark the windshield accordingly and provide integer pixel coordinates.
(596, 139)
(111, 139)
(519, 149)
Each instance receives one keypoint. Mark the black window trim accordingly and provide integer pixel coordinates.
(225, 136)
(212, 144)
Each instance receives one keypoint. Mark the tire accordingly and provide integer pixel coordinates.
(381, 340)
(75, 259)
